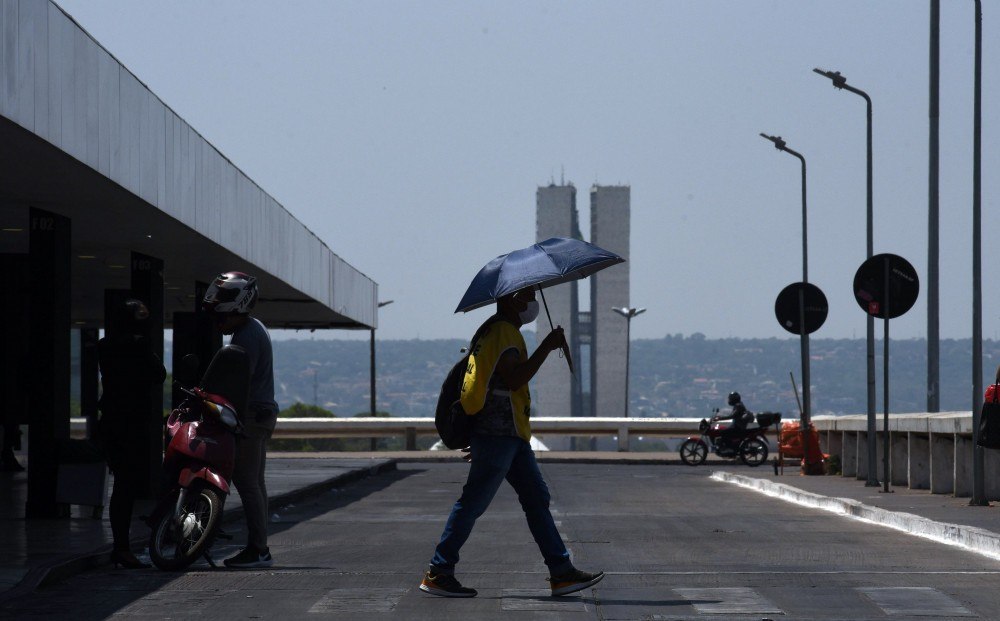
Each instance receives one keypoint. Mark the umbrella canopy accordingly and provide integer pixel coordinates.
(551, 262)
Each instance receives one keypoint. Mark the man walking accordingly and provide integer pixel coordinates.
(495, 390)
(230, 298)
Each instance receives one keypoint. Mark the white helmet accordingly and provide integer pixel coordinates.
(231, 292)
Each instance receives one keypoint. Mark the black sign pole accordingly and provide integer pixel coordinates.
(885, 383)
(804, 417)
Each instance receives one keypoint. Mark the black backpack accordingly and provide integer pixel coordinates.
(452, 423)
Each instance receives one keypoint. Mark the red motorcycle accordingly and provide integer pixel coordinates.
(199, 462)
(750, 445)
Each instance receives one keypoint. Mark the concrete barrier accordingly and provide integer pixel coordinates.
(927, 451)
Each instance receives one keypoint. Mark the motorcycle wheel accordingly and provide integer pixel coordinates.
(693, 452)
(173, 547)
(753, 452)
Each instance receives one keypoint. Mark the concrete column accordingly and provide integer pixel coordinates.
(963, 466)
(942, 463)
(920, 461)
(898, 456)
(14, 317)
(89, 379)
(849, 454)
(835, 444)
(194, 333)
(147, 285)
(862, 451)
(48, 357)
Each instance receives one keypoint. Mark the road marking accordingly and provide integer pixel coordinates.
(969, 538)
(358, 600)
(857, 572)
(726, 601)
(915, 602)
(534, 600)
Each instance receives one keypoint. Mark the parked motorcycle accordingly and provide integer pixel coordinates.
(750, 445)
(199, 462)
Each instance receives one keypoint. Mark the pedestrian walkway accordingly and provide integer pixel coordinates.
(46, 551)
(940, 517)
(38, 552)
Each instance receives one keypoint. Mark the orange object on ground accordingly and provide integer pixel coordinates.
(791, 446)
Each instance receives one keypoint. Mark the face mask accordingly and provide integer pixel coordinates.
(529, 314)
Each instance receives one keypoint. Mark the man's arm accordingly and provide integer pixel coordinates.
(516, 373)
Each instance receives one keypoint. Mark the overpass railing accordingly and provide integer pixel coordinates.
(926, 451)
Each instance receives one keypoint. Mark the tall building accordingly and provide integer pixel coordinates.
(609, 229)
(556, 392)
(597, 338)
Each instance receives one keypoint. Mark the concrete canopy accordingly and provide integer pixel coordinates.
(82, 137)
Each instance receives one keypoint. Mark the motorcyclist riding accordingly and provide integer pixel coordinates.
(740, 416)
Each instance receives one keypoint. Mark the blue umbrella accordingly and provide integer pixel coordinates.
(551, 262)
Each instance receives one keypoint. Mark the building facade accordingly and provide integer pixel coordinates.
(598, 337)
(609, 229)
(556, 390)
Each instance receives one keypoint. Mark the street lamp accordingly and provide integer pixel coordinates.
(628, 314)
(978, 459)
(372, 350)
(780, 145)
(840, 82)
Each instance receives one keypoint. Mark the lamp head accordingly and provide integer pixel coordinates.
(839, 81)
(779, 144)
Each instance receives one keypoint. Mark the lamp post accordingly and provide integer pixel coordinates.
(628, 314)
(780, 145)
(840, 82)
(374, 441)
(978, 455)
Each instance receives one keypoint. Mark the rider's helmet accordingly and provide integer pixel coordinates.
(231, 292)
(734, 398)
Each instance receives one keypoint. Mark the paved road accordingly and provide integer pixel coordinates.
(675, 545)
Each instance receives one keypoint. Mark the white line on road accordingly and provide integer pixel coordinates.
(969, 538)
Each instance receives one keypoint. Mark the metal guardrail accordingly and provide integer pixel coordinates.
(410, 428)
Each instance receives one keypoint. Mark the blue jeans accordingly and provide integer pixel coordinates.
(495, 458)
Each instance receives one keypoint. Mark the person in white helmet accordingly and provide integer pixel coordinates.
(230, 299)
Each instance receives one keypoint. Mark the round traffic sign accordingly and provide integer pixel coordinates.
(786, 307)
(886, 286)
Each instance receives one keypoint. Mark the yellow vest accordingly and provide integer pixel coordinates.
(498, 338)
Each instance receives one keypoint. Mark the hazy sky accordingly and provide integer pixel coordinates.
(411, 137)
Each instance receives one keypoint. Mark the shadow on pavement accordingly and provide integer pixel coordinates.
(114, 591)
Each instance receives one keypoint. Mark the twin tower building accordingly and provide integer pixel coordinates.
(598, 338)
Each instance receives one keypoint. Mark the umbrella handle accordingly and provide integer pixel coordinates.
(565, 348)
(546, 305)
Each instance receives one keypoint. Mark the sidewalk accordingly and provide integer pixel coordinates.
(38, 552)
(939, 517)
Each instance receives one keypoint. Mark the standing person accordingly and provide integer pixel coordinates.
(495, 389)
(129, 368)
(230, 298)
